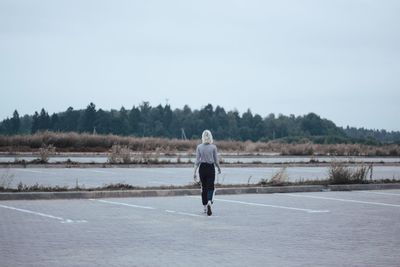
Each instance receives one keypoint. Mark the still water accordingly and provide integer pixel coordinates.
(94, 177)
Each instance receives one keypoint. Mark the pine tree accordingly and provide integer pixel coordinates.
(15, 123)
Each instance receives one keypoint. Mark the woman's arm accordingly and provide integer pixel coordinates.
(197, 163)
(216, 159)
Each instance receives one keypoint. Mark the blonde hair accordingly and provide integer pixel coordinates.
(207, 137)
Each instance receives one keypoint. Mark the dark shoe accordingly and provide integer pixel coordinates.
(209, 212)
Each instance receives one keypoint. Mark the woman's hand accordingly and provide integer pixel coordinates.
(219, 170)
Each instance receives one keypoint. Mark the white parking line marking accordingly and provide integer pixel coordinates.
(346, 200)
(145, 207)
(170, 211)
(183, 213)
(380, 193)
(271, 206)
(43, 215)
(267, 205)
(123, 204)
(76, 221)
(188, 214)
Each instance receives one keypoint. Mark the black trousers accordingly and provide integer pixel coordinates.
(207, 178)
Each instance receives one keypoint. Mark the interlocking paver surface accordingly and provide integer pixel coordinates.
(302, 229)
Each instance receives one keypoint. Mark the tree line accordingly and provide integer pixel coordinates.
(145, 120)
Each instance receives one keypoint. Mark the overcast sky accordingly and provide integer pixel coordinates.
(339, 59)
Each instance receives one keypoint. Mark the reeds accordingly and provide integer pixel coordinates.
(339, 173)
(74, 142)
(6, 179)
(45, 152)
(279, 178)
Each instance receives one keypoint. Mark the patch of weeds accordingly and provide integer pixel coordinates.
(118, 186)
(120, 154)
(278, 179)
(39, 188)
(6, 179)
(45, 152)
(339, 173)
(124, 155)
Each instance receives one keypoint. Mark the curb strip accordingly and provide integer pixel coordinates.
(186, 192)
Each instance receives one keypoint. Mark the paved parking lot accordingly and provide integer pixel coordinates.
(359, 228)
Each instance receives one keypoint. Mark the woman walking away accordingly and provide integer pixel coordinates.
(206, 158)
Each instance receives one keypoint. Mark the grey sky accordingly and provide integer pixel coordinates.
(339, 59)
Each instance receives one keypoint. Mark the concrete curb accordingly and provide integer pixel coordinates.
(350, 187)
(185, 192)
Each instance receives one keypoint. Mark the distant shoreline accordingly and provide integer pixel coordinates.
(129, 148)
(182, 165)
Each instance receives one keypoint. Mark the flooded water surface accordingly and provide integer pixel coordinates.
(94, 177)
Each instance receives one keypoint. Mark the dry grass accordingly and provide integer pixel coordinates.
(279, 178)
(74, 142)
(6, 179)
(45, 152)
(339, 173)
(125, 155)
(120, 154)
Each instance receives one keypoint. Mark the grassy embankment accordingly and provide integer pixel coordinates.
(88, 143)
